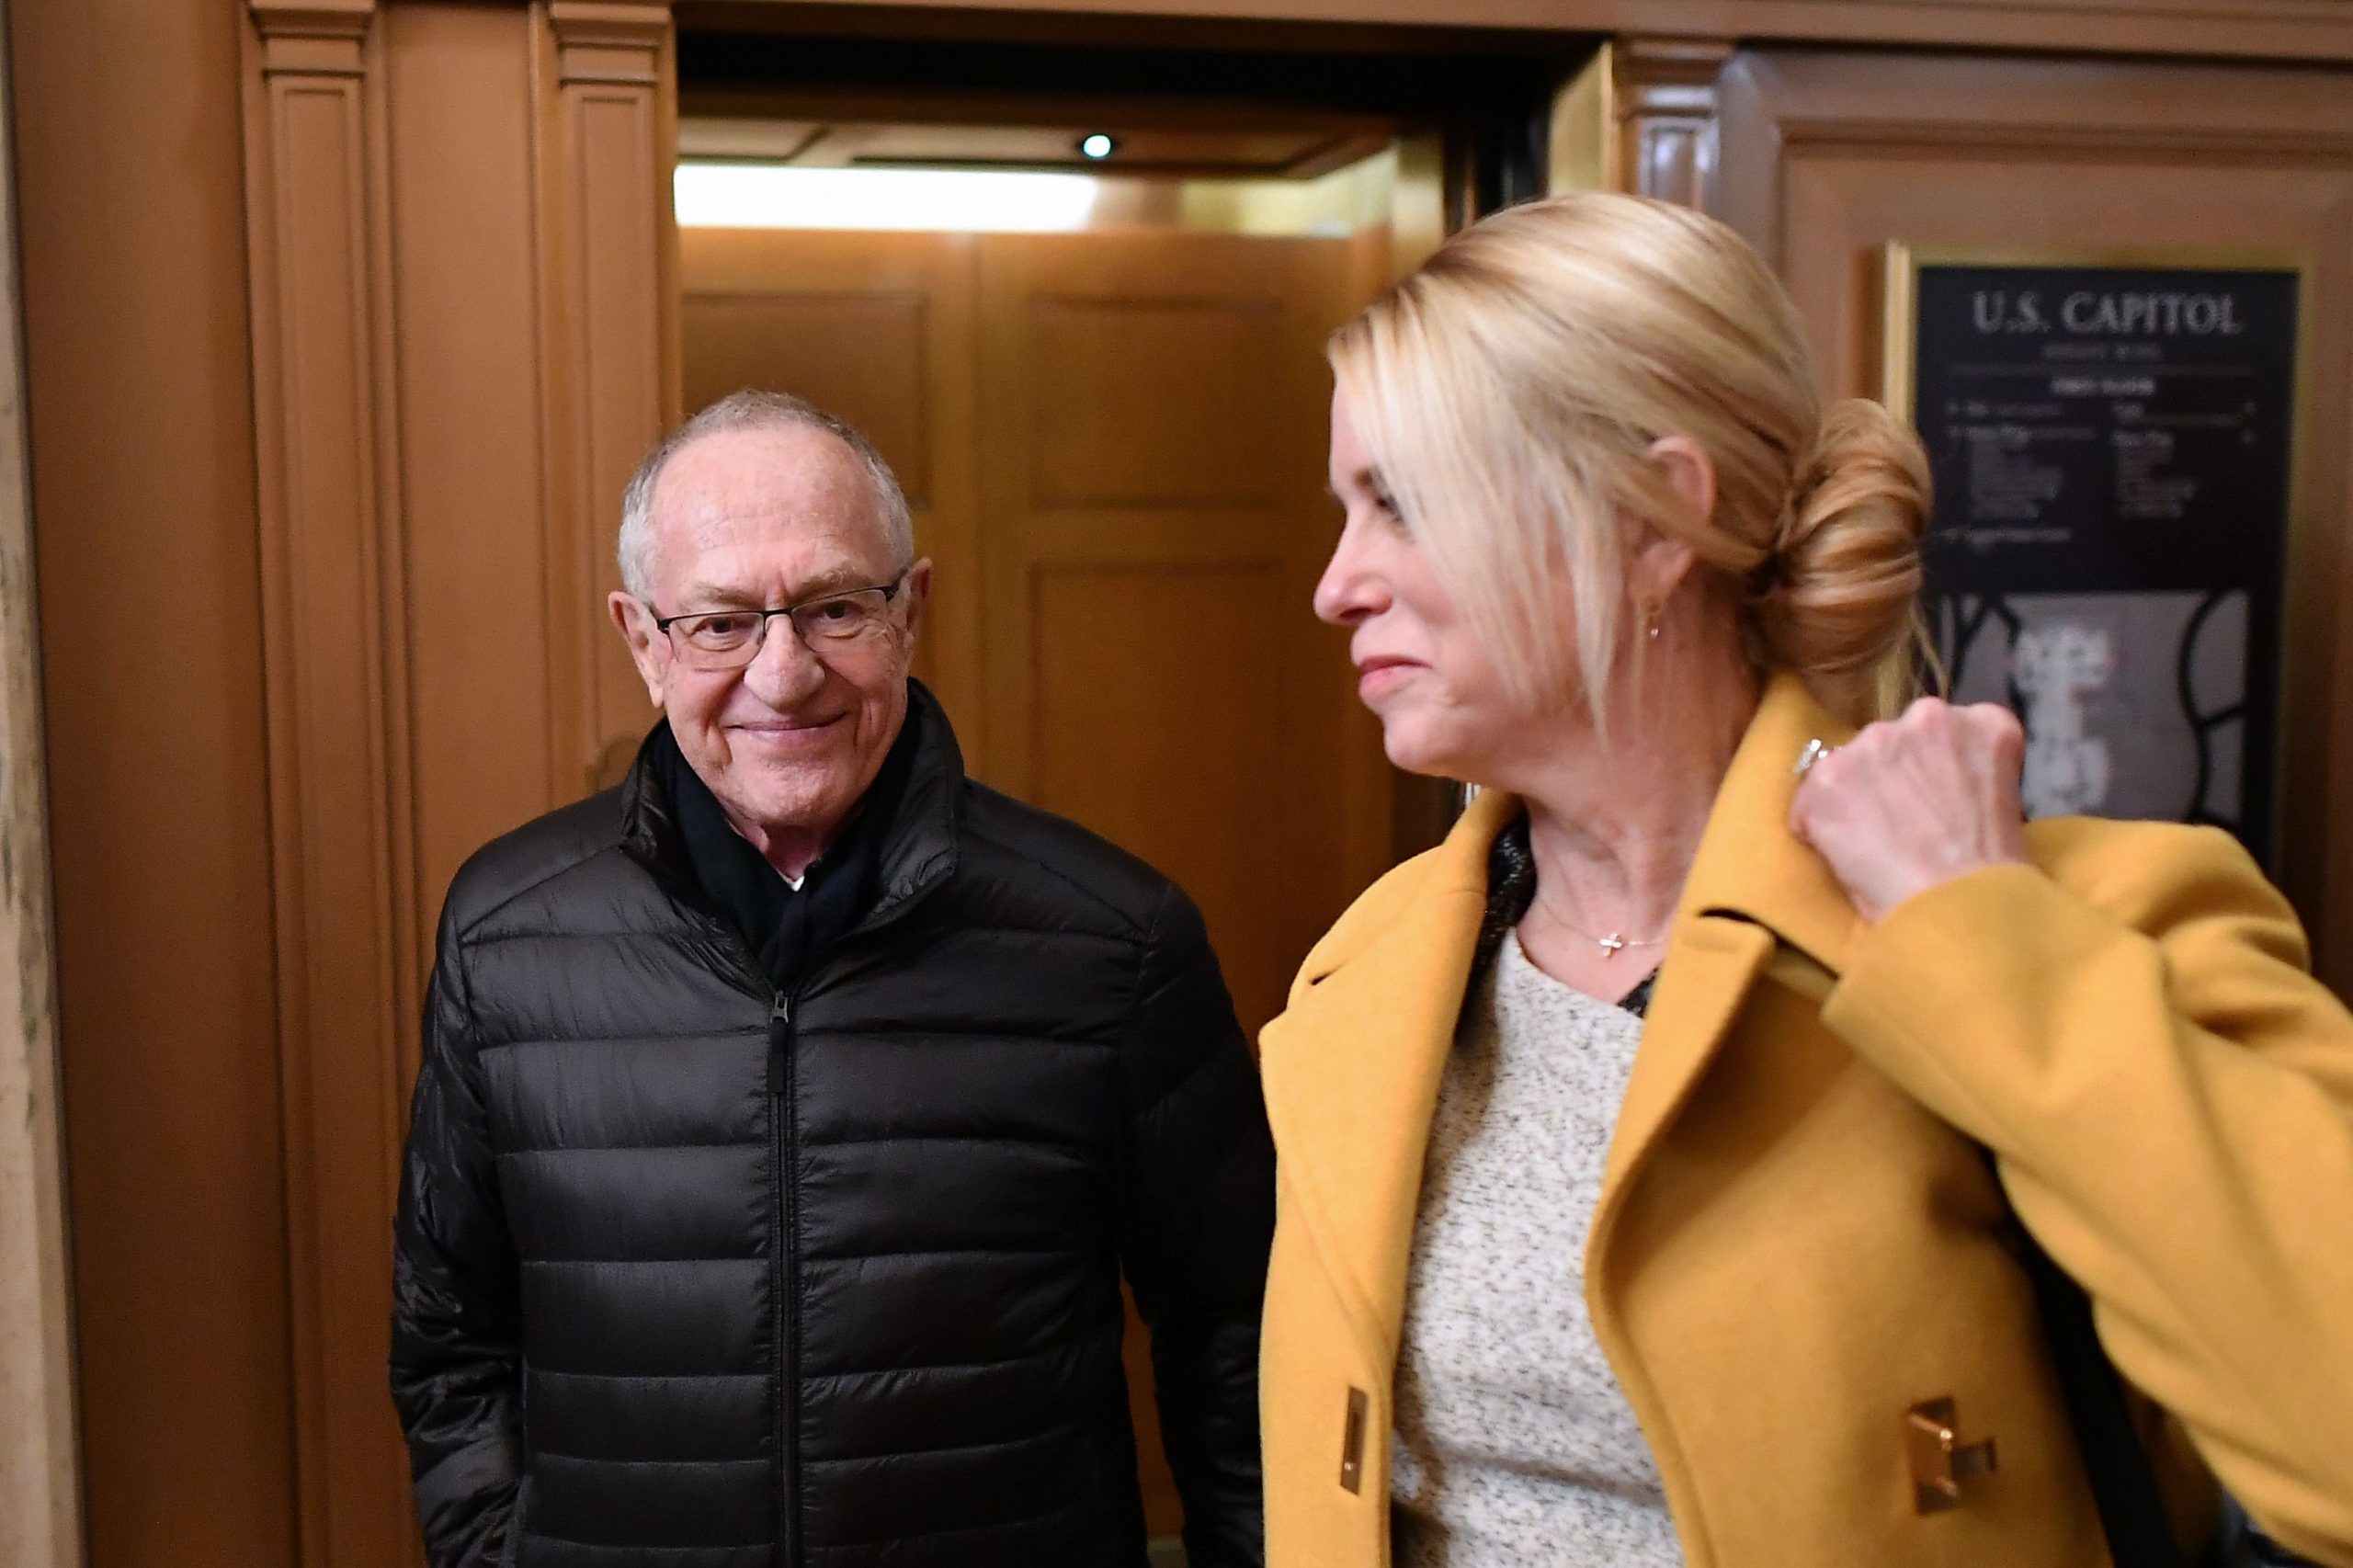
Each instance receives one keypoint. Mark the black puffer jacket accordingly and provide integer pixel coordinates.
(693, 1275)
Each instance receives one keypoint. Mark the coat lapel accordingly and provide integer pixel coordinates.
(1753, 885)
(1710, 963)
(1352, 1069)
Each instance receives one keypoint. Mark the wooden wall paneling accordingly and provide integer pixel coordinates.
(1828, 155)
(333, 636)
(132, 233)
(882, 330)
(607, 90)
(1663, 98)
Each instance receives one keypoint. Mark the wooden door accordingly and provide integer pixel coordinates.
(1114, 447)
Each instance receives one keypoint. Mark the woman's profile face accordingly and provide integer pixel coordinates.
(1434, 685)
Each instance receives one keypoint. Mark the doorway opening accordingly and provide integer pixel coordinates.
(1074, 277)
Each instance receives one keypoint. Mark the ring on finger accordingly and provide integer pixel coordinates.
(1814, 751)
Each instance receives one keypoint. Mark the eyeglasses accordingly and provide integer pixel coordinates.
(730, 639)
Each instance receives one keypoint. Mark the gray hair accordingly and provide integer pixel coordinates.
(751, 409)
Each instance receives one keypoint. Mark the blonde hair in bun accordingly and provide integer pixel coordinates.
(1510, 389)
(1837, 601)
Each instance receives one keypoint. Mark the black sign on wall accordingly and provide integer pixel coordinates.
(2112, 452)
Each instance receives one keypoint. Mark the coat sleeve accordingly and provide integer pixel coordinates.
(1196, 1222)
(456, 1371)
(2169, 1097)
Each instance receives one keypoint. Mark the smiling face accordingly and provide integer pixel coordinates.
(1436, 685)
(756, 519)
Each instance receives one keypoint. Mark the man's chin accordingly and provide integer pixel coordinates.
(801, 807)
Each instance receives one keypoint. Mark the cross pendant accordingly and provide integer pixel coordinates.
(1612, 944)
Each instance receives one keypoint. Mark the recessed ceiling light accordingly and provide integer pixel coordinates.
(772, 195)
(1097, 146)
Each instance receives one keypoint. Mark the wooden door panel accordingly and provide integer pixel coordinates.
(1197, 638)
(1158, 402)
(859, 355)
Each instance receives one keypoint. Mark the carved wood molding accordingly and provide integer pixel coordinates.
(609, 40)
(322, 18)
(2084, 142)
(1663, 91)
(333, 638)
(1782, 107)
(609, 369)
(312, 37)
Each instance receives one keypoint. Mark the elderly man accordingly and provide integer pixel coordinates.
(790, 1115)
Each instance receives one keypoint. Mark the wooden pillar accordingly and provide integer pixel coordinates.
(333, 629)
(1663, 100)
(462, 282)
(606, 86)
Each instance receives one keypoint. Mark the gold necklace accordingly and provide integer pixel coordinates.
(1611, 945)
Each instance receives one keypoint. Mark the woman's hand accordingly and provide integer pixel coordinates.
(1912, 803)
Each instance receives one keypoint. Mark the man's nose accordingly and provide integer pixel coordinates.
(1348, 591)
(784, 668)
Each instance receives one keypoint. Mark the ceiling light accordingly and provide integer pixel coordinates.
(770, 195)
(1097, 146)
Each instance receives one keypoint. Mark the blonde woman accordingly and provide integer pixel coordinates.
(1636, 1204)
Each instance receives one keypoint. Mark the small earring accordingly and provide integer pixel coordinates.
(1650, 622)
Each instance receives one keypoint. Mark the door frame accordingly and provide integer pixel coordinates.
(41, 1483)
(2307, 31)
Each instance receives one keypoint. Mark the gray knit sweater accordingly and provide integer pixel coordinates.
(1514, 1443)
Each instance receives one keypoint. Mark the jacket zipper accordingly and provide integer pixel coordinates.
(784, 1205)
(784, 1211)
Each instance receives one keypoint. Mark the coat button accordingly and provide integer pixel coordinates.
(1352, 1442)
(1940, 1460)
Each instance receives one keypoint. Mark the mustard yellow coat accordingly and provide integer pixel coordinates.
(1794, 1246)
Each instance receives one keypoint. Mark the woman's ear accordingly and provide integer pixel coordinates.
(1688, 472)
(1660, 561)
